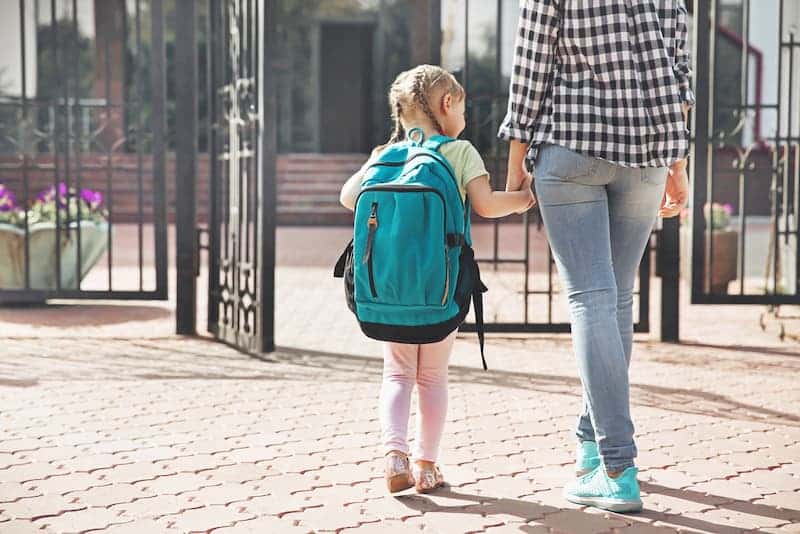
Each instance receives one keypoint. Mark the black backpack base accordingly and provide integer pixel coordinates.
(468, 287)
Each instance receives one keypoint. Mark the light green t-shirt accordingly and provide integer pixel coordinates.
(465, 160)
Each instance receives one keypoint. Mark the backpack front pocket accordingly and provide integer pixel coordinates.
(400, 246)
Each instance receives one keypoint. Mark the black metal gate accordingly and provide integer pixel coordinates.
(519, 266)
(746, 167)
(242, 152)
(82, 152)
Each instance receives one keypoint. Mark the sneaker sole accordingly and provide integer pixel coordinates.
(612, 505)
(398, 483)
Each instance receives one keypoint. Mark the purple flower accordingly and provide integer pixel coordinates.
(92, 198)
(728, 208)
(49, 195)
(7, 200)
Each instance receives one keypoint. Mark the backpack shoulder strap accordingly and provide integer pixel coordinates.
(436, 141)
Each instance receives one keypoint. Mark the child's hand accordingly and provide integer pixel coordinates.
(527, 182)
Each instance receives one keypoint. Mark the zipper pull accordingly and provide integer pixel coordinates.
(446, 279)
(372, 224)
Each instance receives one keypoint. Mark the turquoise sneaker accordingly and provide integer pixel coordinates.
(597, 489)
(588, 458)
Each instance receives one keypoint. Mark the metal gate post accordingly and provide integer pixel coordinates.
(185, 166)
(704, 33)
(268, 198)
(669, 270)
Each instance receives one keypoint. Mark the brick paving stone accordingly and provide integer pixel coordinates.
(451, 520)
(206, 518)
(157, 506)
(338, 495)
(770, 481)
(89, 463)
(225, 493)
(8, 459)
(579, 522)
(734, 519)
(792, 528)
(643, 528)
(385, 527)
(332, 518)
(671, 478)
(82, 520)
(243, 472)
(787, 502)
(149, 454)
(499, 465)
(250, 454)
(193, 463)
(22, 444)
(141, 526)
(105, 496)
(24, 527)
(518, 528)
(173, 484)
(279, 505)
(387, 507)
(11, 491)
(746, 462)
(263, 525)
(133, 472)
(504, 486)
(513, 510)
(29, 471)
(730, 489)
(64, 483)
(44, 505)
(50, 454)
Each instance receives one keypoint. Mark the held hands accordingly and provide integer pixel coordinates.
(677, 191)
(524, 179)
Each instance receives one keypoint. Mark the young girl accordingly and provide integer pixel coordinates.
(429, 98)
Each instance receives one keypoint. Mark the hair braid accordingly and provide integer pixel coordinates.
(399, 133)
(419, 90)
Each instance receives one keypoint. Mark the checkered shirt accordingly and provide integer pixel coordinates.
(602, 77)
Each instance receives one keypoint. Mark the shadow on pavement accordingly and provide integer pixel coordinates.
(666, 398)
(556, 518)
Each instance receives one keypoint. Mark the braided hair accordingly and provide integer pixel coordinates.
(412, 90)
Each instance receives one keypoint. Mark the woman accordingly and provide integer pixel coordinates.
(598, 101)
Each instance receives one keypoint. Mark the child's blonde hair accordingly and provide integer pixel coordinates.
(413, 89)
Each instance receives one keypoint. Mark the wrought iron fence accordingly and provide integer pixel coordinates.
(82, 153)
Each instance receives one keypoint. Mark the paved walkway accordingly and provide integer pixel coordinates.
(111, 424)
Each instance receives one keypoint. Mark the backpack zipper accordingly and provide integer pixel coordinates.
(372, 224)
(447, 276)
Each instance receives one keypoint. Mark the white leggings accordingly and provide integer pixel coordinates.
(403, 366)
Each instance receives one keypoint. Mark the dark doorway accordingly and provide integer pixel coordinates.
(345, 86)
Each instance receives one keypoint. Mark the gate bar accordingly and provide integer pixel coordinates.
(185, 166)
(268, 198)
(159, 126)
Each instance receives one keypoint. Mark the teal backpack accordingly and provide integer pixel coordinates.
(410, 272)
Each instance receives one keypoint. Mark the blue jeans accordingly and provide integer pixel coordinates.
(598, 217)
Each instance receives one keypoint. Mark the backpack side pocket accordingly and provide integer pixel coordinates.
(344, 270)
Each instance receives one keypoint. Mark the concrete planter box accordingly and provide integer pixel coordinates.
(43, 257)
(724, 248)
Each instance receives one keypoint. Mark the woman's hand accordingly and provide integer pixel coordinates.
(677, 191)
(527, 182)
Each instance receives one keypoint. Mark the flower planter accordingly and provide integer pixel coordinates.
(43, 257)
(725, 251)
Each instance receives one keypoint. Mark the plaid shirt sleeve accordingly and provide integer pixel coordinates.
(683, 62)
(532, 71)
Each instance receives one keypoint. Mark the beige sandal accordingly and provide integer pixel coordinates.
(397, 472)
(428, 479)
